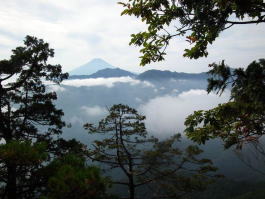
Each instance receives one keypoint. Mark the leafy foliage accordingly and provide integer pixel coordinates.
(70, 177)
(34, 161)
(28, 118)
(242, 119)
(200, 21)
(28, 158)
(22, 153)
(146, 161)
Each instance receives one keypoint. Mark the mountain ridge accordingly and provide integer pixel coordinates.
(159, 74)
(98, 68)
(150, 75)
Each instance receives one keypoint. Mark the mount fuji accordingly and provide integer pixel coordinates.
(91, 67)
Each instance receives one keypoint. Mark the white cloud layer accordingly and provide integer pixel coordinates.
(108, 82)
(56, 88)
(166, 115)
(76, 120)
(94, 111)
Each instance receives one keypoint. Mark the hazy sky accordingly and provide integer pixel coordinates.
(80, 30)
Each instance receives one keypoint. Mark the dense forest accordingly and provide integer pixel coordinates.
(122, 159)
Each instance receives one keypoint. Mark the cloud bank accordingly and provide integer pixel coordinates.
(108, 82)
(94, 111)
(56, 88)
(166, 115)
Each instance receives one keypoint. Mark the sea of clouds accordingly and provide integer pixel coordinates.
(165, 114)
(108, 82)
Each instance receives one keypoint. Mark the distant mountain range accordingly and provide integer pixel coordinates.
(158, 75)
(98, 68)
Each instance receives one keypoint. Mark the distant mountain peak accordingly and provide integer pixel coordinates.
(98, 61)
(91, 67)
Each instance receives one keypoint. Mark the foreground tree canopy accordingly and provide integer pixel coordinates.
(69, 177)
(240, 121)
(144, 161)
(28, 117)
(30, 129)
(200, 21)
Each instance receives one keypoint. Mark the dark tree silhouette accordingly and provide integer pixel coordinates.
(28, 117)
(69, 177)
(200, 22)
(239, 121)
(144, 161)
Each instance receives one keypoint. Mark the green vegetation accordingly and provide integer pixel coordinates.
(27, 113)
(237, 122)
(200, 22)
(70, 177)
(240, 121)
(144, 161)
(30, 127)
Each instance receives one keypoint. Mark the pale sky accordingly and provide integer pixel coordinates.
(80, 30)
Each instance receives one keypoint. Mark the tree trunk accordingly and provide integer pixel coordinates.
(131, 187)
(11, 182)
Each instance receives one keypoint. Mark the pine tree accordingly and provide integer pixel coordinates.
(28, 116)
(145, 161)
